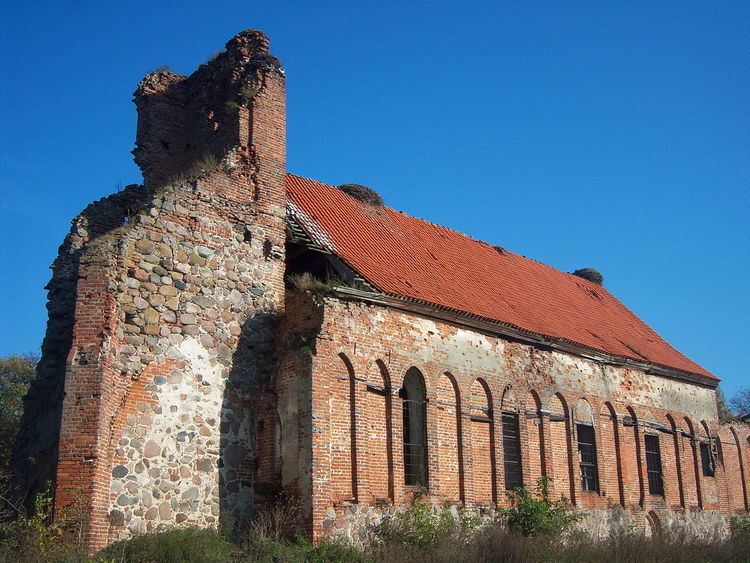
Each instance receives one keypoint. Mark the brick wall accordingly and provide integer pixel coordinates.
(361, 345)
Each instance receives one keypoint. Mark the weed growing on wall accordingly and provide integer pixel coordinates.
(36, 537)
(423, 526)
(533, 514)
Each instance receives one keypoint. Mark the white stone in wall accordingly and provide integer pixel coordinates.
(172, 448)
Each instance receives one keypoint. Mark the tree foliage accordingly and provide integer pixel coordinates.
(725, 412)
(16, 374)
(740, 402)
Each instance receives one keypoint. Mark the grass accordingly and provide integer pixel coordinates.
(543, 532)
(493, 543)
(189, 544)
(499, 544)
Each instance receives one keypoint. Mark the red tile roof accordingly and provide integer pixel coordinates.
(414, 259)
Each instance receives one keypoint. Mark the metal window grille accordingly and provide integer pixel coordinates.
(587, 457)
(512, 451)
(653, 465)
(415, 452)
(707, 460)
(717, 452)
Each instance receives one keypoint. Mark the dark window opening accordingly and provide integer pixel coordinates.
(587, 457)
(413, 398)
(707, 460)
(512, 451)
(653, 465)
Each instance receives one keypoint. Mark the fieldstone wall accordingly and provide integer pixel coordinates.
(164, 304)
(198, 309)
(703, 525)
(356, 524)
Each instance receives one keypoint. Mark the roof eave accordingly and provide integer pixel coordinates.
(508, 331)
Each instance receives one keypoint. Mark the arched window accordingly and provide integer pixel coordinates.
(586, 438)
(653, 525)
(413, 397)
(511, 441)
(710, 449)
(654, 465)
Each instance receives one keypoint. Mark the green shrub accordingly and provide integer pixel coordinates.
(38, 538)
(418, 526)
(187, 544)
(533, 514)
(741, 526)
(423, 527)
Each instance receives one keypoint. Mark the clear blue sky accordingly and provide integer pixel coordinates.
(613, 135)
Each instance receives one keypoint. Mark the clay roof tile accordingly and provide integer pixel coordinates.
(414, 259)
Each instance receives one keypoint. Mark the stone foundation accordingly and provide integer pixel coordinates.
(355, 524)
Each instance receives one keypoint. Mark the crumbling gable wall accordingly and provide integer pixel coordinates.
(36, 449)
(163, 307)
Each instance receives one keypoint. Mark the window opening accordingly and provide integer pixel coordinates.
(653, 465)
(512, 451)
(707, 460)
(587, 457)
(415, 429)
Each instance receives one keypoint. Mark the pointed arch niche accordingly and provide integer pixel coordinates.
(559, 439)
(342, 425)
(414, 416)
(534, 458)
(450, 439)
(379, 433)
(483, 444)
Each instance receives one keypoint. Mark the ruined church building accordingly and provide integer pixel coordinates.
(228, 332)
